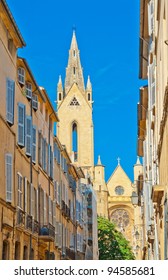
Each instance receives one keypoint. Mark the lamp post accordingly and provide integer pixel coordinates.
(134, 198)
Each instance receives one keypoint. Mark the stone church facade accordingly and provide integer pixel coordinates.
(75, 131)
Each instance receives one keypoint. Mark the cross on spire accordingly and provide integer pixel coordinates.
(118, 159)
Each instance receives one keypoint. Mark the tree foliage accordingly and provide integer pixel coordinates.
(112, 244)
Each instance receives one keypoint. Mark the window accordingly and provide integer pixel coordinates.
(10, 95)
(46, 115)
(17, 250)
(99, 188)
(119, 190)
(34, 144)
(74, 53)
(60, 96)
(28, 135)
(35, 102)
(28, 90)
(121, 218)
(10, 46)
(21, 75)
(20, 191)
(88, 96)
(21, 124)
(25, 253)
(9, 181)
(74, 102)
(75, 141)
(5, 250)
(74, 70)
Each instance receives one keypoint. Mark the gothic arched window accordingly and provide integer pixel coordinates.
(88, 96)
(75, 141)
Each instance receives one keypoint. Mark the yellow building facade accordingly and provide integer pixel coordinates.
(152, 127)
(43, 208)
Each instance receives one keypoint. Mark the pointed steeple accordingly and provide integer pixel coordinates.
(138, 161)
(59, 90)
(99, 161)
(89, 85)
(74, 72)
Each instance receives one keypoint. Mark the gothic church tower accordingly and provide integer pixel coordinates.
(74, 105)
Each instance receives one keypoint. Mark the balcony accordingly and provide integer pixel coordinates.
(47, 233)
(157, 193)
(29, 222)
(70, 254)
(20, 217)
(36, 227)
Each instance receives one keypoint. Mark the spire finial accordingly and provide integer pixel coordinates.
(118, 159)
(99, 161)
(138, 161)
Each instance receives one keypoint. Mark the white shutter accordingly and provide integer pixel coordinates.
(55, 191)
(60, 235)
(32, 200)
(25, 194)
(34, 143)
(49, 163)
(50, 210)
(37, 204)
(34, 102)
(28, 135)
(40, 148)
(45, 209)
(150, 17)
(9, 179)
(78, 242)
(20, 191)
(21, 124)
(10, 94)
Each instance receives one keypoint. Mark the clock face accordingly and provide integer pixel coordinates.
(119, 190)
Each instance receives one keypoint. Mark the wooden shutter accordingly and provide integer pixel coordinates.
(50, 209)
(25, 194)
(9, 179)
(55, 190)
(34, 143)
(28, 135)
(49, 163)
(37, 204)
(40, 148)
(20, 191)
(10, 94)
(32, 200)
(45, 208)
(21, 124)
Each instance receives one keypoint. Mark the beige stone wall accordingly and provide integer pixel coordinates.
(83, 116)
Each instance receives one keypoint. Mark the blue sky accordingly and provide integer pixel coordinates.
(108, 38)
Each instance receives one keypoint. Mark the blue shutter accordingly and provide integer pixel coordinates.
(45, 155)
(9, 181)
(28, 135)
(10, 95)
(21, 124)
(49, 163)
(34, 143)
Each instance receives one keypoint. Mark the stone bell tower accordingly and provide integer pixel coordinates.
(74, 105)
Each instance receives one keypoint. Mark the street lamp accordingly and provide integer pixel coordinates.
(134, 198)
(137, 235)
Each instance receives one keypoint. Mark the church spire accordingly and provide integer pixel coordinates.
(74, 72)
(99, 161)
(59, 91)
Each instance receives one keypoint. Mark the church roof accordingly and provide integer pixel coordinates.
(119, 167)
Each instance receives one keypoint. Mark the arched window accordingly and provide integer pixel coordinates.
(88, 96)
(74, 70)
(25, 253)
(60, 97)
(75, 141)
(5, 251)
(17, 250)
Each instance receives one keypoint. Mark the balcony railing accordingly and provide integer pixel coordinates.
(20, 217)
(47, 232)
(36, 227)
(29, 222)
(70, 254)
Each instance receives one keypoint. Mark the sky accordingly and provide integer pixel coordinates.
(107, 33)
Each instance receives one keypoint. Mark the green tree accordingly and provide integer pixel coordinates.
(112, 244)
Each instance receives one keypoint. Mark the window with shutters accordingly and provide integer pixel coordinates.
(21, 124)
(10, 97)
(34, 144)
(29, 90)
(21, 75)
(50, 210)
(28, 135)
(59, 235)
(35, 102)
(150, 17)
(56, 153)
(9, 177)
(20, 190)
(40, 148)
(51, 163)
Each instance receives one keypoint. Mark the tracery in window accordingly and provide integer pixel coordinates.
(74, 102)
